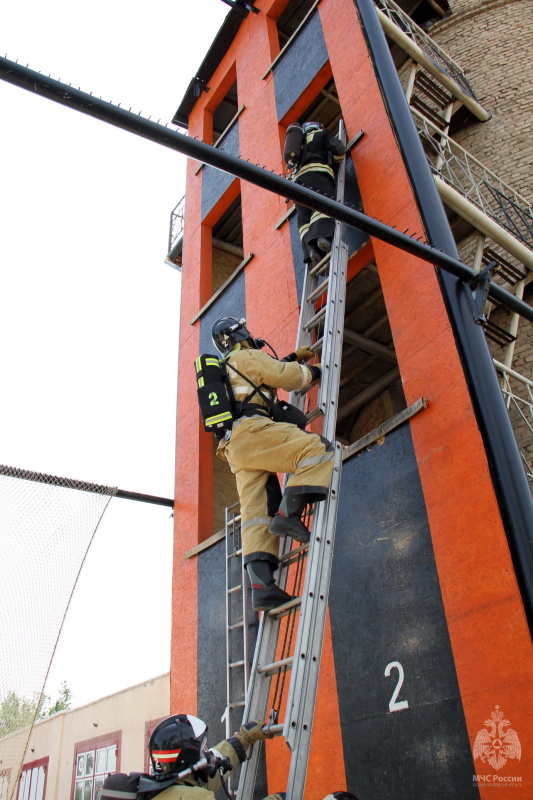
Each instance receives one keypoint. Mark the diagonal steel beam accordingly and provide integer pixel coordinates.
(47, 87)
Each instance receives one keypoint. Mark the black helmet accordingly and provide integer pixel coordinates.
(176, 743)
(312, 126)
(227, 331)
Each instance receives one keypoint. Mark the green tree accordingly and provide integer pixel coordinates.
(17, 712)
(46, 709)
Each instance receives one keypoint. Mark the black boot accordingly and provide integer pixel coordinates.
(265, 593)
(290, 526)
(287, 521)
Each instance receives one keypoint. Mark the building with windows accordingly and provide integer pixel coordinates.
(69, 754)
(427, 639)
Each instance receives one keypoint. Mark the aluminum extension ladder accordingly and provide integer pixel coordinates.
(328, 278)
(237, 630)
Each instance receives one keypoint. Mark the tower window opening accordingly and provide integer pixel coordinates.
(225, 112)
(370, 389)
(224, 490)
(291, 18)
(325, 108)
(227, 244)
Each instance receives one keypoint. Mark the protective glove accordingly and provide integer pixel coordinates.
(252, 732)
(316, 372)
(303, 354)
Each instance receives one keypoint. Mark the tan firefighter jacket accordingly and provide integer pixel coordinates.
(265, 372)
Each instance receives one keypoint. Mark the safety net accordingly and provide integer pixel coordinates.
(46, 527)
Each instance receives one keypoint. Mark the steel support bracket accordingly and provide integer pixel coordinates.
(478, 291)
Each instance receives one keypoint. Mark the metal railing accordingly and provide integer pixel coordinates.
(177, 216)
(475, 182)
(436, 54)
(520, 407)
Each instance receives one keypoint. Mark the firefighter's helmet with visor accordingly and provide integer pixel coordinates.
(227, 332)
(176, 743)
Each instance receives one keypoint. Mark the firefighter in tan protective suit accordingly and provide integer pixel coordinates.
(257, 448)
(178, 744)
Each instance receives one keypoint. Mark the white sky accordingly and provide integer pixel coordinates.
(89, 312)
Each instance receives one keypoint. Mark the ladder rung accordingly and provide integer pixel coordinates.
(276, 666)
(236, 664)
(235, 589)
(237, 625)
(240, 704)
(313, 322)
(275, 730)
(321, 266)
(286, 558)
(314, 414)
(286, 608)
(318, 291)
(294, 556)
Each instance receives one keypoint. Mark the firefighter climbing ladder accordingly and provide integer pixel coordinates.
(327, 279)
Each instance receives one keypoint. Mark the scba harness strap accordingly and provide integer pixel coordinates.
(218, 405)
(279, 410)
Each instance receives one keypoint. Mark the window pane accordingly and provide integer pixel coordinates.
(88, 789)
(33, 788)
(101, 760)
(27, 785)
(80, 766)
(112, 758)
(98, 783)
(78, 791)
(39, 795)
(22, 783)
(89, 763)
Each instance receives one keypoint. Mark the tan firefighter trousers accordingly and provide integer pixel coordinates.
(259, 447)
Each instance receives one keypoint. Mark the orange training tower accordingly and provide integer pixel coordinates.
(427, 657)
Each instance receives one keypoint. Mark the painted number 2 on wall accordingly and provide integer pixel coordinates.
(395, 704)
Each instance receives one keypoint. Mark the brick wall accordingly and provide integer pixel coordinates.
(492, 40)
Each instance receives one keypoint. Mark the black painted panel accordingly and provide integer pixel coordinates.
(354, 239)
(231, 303)
(214, 181)
(299, 65)
(211, 649)
(386, 607)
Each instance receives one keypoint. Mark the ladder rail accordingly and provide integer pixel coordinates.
(298, 723)
(331, 355)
